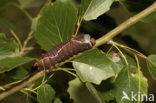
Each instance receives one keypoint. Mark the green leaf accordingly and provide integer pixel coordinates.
(31, 3)
(94, 66)
(8, 48)
(80, 93)
(56, 24)
(57, 100)
(151, 63)
(19, 73)
(120, 62)
(45, 93)
(9, 54)
(127, 83)
(136, 6)
(104, 90)
(13, 62)
(91, 9)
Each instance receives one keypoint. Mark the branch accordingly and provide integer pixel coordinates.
(25, 43)
(99, 42)
(17, 39)
(22, 84)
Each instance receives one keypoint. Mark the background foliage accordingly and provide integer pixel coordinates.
(29, 28)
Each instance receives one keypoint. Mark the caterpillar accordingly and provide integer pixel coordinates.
(64, 51)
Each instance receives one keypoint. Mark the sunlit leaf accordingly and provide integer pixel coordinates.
(91, 9)
(94, 66)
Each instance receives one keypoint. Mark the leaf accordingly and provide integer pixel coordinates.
(104, 90)
(127, 84)
(94, 66)
(31, 3)
(45, 93)
(57, 100)
(9, 54)
(151, 63)
(19, 73)
(91, 9)
(120, 62)
(8, 48)
(13, 62)
(136, 6)
(93, 91)
(80, 93)
(56, 24)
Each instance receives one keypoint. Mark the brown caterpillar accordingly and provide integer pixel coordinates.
(64, 51)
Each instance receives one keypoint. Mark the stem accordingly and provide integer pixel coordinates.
(137, 52)
(139, 73)
(130, 50)
(25, 43)
(70, 73)
(26, 93)
(124, 57)
(10, 84)
(44, 82)
(46, 3)
(109, 50)
(99, 42)
(28, 89)
(1, 88)
(126, 24)
(78, 26)
(16, 37)
(23, 10)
